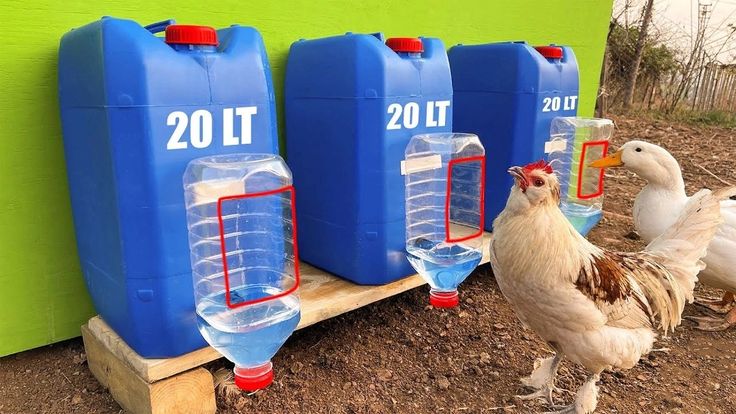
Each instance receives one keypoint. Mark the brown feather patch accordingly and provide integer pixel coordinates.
(605, 280)
(630, 277)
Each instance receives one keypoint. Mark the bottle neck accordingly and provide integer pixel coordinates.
(410, 55)
(194, 48)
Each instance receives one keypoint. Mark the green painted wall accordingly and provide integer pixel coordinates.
(42, 295)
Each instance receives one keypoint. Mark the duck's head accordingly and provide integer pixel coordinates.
(650, 162)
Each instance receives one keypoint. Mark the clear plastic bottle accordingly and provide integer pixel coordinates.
(445, 174)
(574, 143)
(240, 207)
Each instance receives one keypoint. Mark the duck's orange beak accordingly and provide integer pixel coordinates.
(613, 160)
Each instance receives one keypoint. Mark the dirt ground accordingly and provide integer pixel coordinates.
(400, 355)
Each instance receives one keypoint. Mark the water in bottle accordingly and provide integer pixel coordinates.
(245, 266)
(445, 176)
(575, 142)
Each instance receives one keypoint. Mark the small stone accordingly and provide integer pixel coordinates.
(641, 377)
(674, 402)
(75, 373)
(296, 367)
(240, 403)
(442, 382)
(469, 301)
(428, 308)
(347, 385)
(499, 326)
(372, 387)
(485, 357)
(463, 314)
(495, 374)
(80, 358)
(28, 371)
(716, 386)
(77, 399)
(384, 374)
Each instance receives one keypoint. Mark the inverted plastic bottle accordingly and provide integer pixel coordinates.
(574, 143)
(445, 178)
(245, 264)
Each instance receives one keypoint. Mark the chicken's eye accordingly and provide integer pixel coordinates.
(538, 182)
(637, 149)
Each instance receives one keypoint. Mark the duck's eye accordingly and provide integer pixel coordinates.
(538, 182)
(637, 149)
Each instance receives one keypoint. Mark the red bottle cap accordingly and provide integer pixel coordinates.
(444, 299)
(550, 52)
(405, 44)
(255, 382)
(184, 34)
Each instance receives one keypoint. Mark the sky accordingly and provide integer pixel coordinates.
(676, 21)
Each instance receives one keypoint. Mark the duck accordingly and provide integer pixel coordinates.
(659, 204)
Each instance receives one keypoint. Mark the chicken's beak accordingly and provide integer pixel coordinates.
(518, 174)
(613, 160)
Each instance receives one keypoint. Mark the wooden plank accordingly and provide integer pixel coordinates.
(148, 369)
(191, 391)
(323, 296)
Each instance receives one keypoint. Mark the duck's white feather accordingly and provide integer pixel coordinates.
(662, 201)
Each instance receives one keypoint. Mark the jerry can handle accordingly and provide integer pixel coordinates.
(159, 26)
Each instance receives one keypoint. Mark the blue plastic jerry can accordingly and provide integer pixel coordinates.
(135, 109)
(508, 93)
(352, 104)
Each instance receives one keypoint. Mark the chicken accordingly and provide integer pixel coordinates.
(659, 204)
(598, 308)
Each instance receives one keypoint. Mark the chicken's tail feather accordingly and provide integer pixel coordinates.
(682, 246)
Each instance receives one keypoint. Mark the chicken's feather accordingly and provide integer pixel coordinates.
(622, 287)
(650, 288)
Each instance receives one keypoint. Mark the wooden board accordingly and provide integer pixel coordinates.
(323, 296)
(191, 391)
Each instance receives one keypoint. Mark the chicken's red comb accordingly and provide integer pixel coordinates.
(538, 165)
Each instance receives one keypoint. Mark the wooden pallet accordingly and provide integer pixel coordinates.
(180, 384)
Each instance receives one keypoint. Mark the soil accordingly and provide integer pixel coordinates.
(400, 355)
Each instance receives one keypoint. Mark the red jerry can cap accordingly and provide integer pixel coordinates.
(405, 44)
(184, 34)
(550, 52)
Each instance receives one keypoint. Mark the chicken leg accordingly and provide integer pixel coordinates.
(713, 324)
(721, 306)
(586, 398)
(542, 379)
